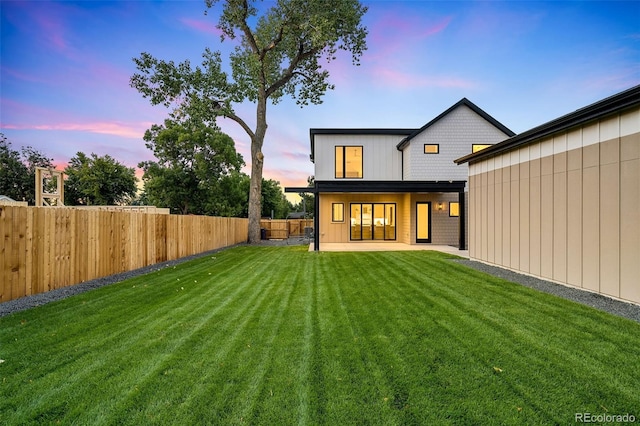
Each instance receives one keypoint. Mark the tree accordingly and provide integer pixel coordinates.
(196, 167)
(98, 181)
(279, 54)
(307, 202)
(18, 171)
(273, 200)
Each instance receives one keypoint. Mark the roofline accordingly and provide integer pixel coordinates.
(354, 131)
(464, 101)
(615, 103)
(388, 186)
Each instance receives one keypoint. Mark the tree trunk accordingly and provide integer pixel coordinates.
(257, 161)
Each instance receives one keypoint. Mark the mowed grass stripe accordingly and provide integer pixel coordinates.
(257, 335)
(224, 346)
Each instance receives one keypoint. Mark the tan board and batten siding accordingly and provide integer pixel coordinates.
(565, 207)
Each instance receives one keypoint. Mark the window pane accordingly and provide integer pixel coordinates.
(431, 148)
(390, 221)
(339, 161)
(454, 209)
(378, 221)
(479, 147)
(422, 221)
(337, 212)
(367, 221)
(353, 161)
(356, 225)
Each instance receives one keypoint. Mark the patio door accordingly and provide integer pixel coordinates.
(373, 221)
(423, 222)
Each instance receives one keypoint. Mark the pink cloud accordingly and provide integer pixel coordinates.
(394, 33)
(201, 26)
(21, 75)
(44, 21)
(287, 177)
(123, 130)
(395, 78)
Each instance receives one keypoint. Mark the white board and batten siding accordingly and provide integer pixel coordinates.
(381, 160)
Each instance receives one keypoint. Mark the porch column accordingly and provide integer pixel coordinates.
(463, 220)
(316, 221)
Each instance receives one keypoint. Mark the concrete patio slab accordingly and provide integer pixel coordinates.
(383, 246)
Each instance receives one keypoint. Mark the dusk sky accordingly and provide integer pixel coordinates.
(65, 70)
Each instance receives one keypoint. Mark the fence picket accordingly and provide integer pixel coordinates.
(43, 248)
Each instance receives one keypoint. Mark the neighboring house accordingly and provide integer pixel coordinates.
(397, 185)
(562, 201)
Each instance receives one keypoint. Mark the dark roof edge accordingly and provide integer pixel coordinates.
(464, 101)
(610, 105)
(354, 131)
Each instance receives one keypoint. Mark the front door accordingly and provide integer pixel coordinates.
(423, 222)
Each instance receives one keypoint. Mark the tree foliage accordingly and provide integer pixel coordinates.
(274, 203)
(307, 200)
(198, 169)
(18, 171)
(279, 53)
(95, 180)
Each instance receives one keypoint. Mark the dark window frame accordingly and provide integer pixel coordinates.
(454, 215)
(344, 161)
(384, 207)
(333, 218)
(437, 145)
(429, 218)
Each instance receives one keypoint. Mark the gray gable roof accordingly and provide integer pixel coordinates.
(613, 104)
(464, 101)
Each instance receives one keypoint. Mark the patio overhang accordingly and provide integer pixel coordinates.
(383, 186)
(389, 186)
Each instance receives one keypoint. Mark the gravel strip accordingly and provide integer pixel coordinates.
(594, 300)
(598, 301)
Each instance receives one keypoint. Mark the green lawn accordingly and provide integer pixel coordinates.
(279, 335)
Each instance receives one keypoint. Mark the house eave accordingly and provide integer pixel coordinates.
(464, 101)
(353, 131)
(403, 186)
(613, 104)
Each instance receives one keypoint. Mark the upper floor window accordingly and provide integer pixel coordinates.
(432, 148)
(348, 162)
(479, 146)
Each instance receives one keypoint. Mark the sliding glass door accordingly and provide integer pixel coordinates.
(373, 221)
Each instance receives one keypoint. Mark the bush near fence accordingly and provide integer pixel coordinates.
(279, 229)
(44, 248)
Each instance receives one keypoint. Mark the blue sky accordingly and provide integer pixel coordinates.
(65, 69)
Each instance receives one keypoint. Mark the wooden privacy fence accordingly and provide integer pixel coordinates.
(44, 248)
(284, 228)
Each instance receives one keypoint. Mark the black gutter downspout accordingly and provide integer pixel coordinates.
(463, 219)
(316, 220)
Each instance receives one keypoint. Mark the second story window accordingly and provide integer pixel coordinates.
(432, 148)
(348, 162)
(479, 147)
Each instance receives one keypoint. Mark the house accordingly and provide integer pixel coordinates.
(398, 185)
(562, 201)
